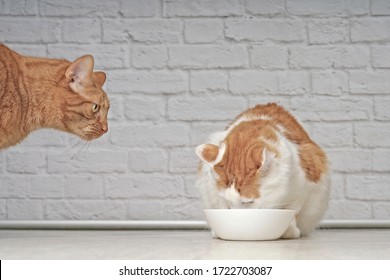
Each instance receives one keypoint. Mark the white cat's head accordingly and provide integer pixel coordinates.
(237, 166)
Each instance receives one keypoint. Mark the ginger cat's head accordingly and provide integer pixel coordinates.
(85, 105)
(238, 163)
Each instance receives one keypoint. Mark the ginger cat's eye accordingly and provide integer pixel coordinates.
(95, 108)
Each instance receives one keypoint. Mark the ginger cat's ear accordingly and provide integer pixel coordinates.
(210, 153)
(79, 73)
(99, 78)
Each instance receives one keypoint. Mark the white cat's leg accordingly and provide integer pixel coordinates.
(214, 235)
(292, 231)
(314, 208)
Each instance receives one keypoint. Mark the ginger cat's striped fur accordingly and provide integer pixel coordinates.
(50, 93)
(265, 159)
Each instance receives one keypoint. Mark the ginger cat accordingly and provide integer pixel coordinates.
(265, 159)
(50, 93)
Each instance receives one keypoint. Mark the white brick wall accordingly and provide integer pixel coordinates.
(178, 70)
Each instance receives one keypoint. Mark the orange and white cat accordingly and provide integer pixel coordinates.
(50, 93)
(265, 159)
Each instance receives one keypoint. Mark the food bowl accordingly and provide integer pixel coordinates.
(249, 224)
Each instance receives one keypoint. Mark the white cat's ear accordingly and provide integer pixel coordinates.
(79, 73)
(210, 153)
(266, 159)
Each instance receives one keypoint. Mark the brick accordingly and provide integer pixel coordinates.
(151, 210)
(144, 186)
(200, 132)
(3, 212)
(380, 7)
(381, 109)
(2, 163)
(148, 160)
(333, 134)
(144, 108)
(31, 162)
(328, 31)
(14, 186)
(183, 160)
(259, 82)
(350, 160)
(369, 82)
(100, 162)
(363, 187)
(205, 108)
(85, 210)
(330, 108)
(174, 8)
(329, 57)
(337, 186)
(329, 83)
(370, 30)
(140, 135)
(196, 57)
(347, 209)
(117, 102)
(21, 209)
(136, 8)
(156, 31)
(381, 160)
(253, 82)
(46, 138)
(20, 8)
(88, 161)
(72, 8)
(184, 209)
(26, 30)
(381, 210)
(208, 81)
(29, 50)
(358, 7)
(265, 7)
(106, 56)
(293, 83)
(150, 82)
(269, 57)
(149, 57)
(46, 187)
(203, 31)
(381, 56)
(81, 30)
(321, 8)
(265, 30)
(372, 135)
(191, 191)
(84, 187)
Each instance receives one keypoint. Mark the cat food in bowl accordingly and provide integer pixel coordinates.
(249, 224)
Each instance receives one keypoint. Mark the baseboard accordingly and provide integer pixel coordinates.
(165, 225)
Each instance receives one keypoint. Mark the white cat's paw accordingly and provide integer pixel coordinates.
(291, 233)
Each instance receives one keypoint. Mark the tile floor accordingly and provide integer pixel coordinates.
(187, 244)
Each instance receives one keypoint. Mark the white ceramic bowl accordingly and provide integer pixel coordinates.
(249, 224)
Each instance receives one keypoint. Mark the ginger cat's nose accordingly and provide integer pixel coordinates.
(104, 128)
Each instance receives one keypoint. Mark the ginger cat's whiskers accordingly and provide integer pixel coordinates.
(73, 148)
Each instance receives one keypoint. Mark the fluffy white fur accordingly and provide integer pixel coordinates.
(284, 186)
